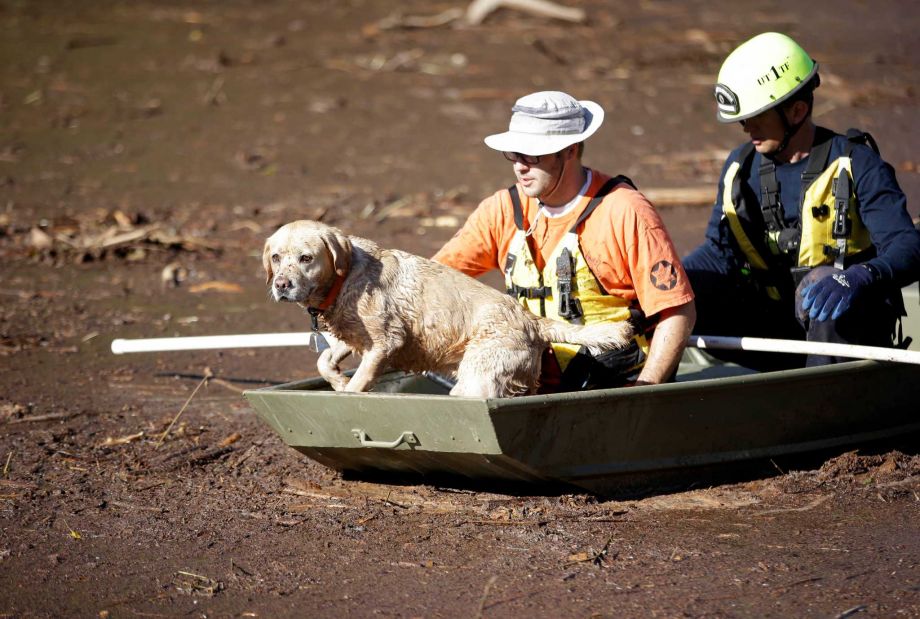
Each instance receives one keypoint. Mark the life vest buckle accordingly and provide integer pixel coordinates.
(842, 190)
(569, 307)
(788, 241)
(820, 211)
(842, 225)
(528, 293)
(509, 264)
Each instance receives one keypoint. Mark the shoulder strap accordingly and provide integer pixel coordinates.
(605, 189)
(855, 136)
(817, 163)
(745, 161)
(752, 218)
(516, 203)
(818, 157)
(770, 203)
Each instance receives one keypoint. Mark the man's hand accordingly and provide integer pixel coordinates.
(833, 295)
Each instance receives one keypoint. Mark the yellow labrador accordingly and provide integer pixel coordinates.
(399, 310)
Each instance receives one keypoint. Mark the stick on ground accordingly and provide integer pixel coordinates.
(207, 374)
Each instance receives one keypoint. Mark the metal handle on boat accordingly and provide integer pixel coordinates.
(408, 438)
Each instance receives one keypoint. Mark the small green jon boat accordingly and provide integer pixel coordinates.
(605, 441)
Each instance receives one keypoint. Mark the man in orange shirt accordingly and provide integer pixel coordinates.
(577, 245)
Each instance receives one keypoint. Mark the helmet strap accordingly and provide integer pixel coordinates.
(789, 131)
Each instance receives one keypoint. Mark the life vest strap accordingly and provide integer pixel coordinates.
(518, 209)
(529, 293)
(817, 159)
(855, 136)
(516, 204)
(599, 197)
(770, 202)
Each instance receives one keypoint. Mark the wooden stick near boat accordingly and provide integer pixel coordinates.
(760, 344)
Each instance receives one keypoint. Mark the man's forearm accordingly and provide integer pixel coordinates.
(668, 344)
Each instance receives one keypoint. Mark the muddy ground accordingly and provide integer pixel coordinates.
(146, 151)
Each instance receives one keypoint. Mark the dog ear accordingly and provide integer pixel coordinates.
(267, 263)
(340, 248)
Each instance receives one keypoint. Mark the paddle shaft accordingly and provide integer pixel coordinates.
(262, 340)
(212, 342)
(760, 344)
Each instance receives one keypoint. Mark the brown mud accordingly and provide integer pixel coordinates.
(146, 151)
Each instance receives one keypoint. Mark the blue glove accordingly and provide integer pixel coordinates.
(831, 296)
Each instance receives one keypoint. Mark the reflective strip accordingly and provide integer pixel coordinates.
(734, 222)
(524, 272)
(728, 208)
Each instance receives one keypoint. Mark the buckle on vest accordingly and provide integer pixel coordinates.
(789, 240)
(509, 264)
(842, 226)
(569, 307)
(528, 293)
(842, 191)
(820, 211)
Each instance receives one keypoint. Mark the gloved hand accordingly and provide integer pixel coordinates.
(831, 296)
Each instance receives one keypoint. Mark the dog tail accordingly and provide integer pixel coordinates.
(598, 337)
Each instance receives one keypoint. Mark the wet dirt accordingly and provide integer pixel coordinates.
(195, 129)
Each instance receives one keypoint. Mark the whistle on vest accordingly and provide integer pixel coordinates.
(842, 190)
(569, 307)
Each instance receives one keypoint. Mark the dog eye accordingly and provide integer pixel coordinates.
(276, 258)
(306, 259)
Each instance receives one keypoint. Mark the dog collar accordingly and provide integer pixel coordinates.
(331, 296)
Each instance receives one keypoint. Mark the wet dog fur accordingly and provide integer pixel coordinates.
(398, 310)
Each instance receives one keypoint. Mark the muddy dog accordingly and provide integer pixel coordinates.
(402, 311)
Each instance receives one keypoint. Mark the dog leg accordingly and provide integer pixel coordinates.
(496, 371)
(370, 368)
(328, 365)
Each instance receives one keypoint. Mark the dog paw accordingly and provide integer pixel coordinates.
(330, 371)
(336, 379)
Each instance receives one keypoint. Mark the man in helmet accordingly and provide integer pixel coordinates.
(579, 246)
(810, 237)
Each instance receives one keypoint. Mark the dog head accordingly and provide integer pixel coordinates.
(302, 260)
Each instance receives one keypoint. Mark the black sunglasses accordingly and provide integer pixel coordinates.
(522, 158)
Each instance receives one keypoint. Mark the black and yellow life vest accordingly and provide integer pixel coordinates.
(566, 289)
(828, 231)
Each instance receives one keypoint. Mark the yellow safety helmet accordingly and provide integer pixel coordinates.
(759, 74)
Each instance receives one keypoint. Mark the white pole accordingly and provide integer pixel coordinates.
(805, 348)
(211, 342)
(262, 340)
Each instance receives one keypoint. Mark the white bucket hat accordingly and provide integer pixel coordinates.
(546, 122)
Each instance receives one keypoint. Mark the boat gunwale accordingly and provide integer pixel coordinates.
(593, 395)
